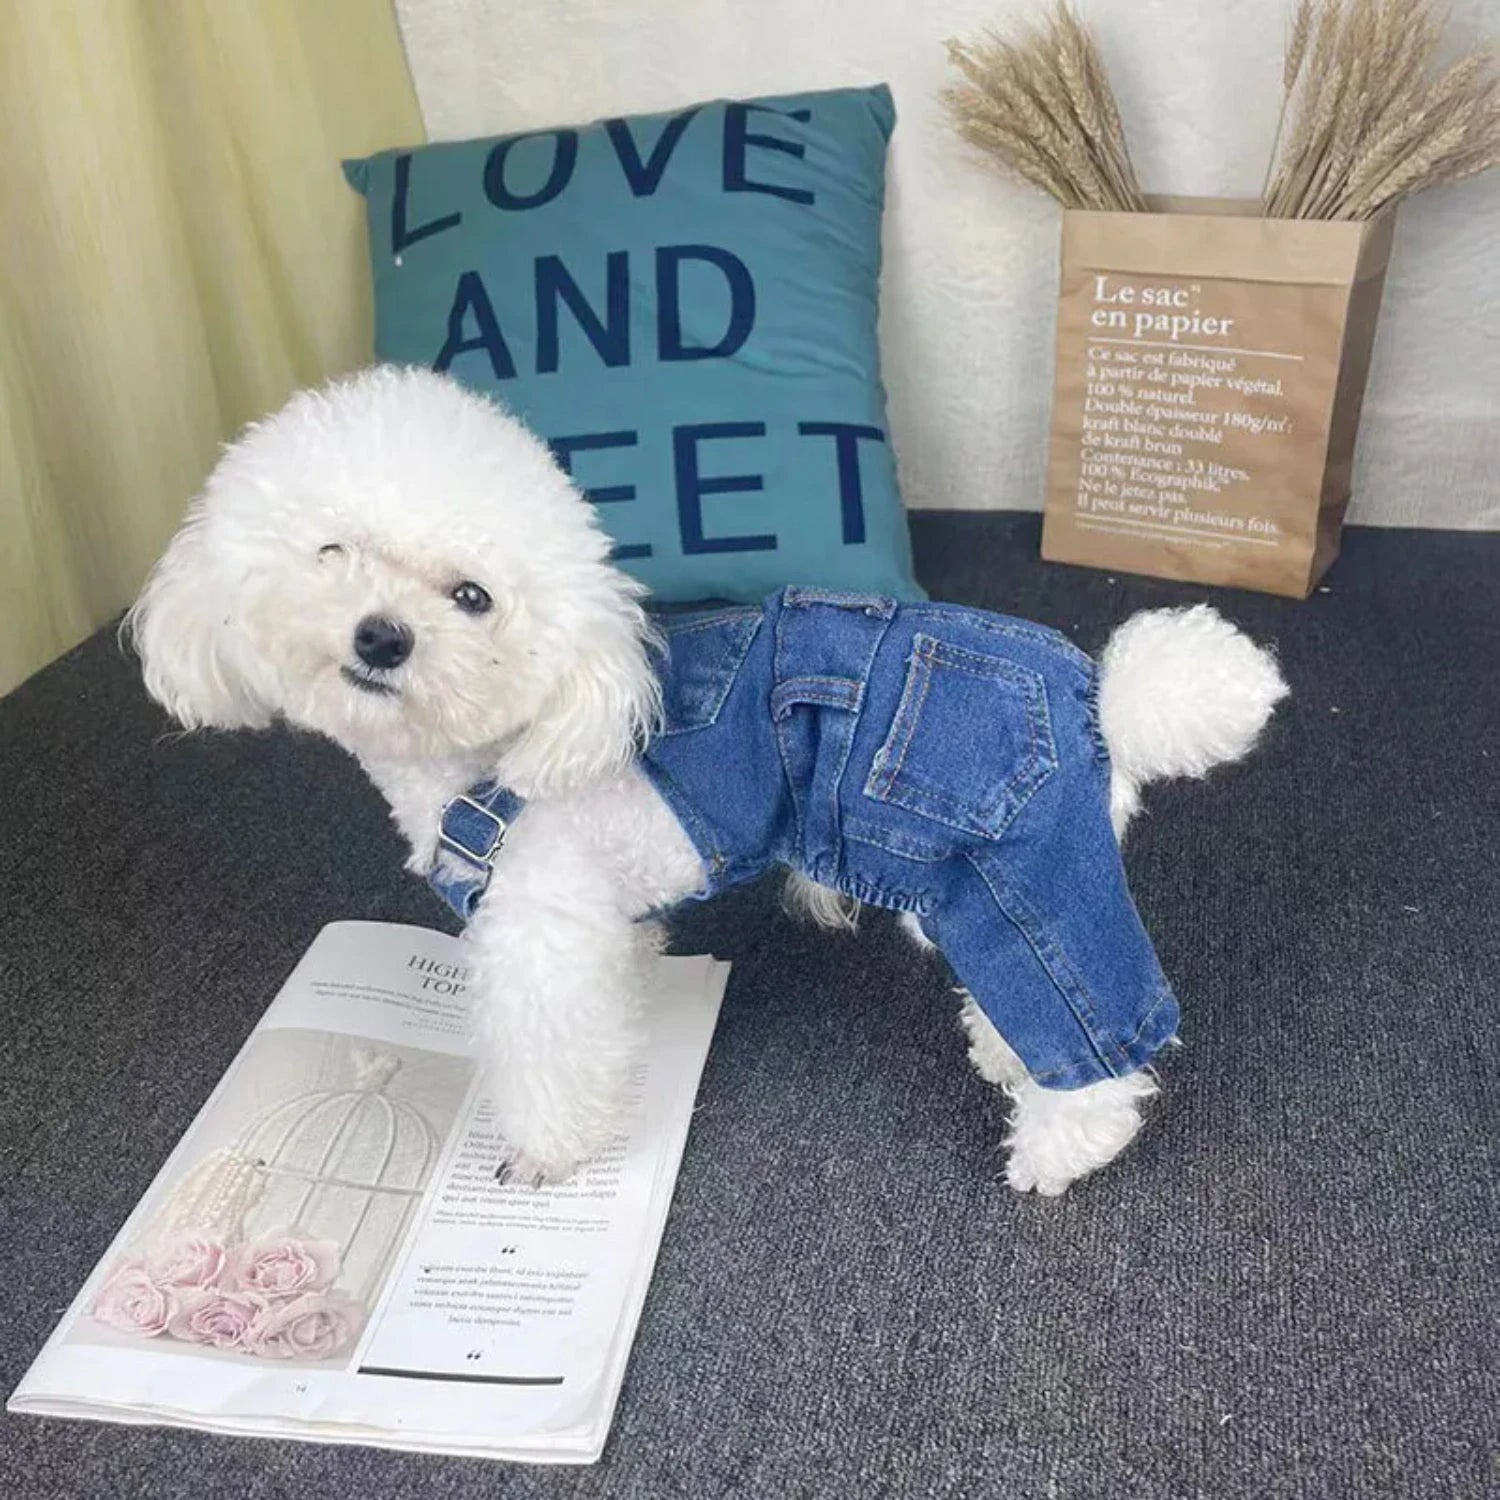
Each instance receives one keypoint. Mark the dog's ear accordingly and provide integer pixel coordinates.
(181, 630)
(606, 700)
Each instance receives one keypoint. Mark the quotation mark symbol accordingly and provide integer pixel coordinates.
(475, 1354)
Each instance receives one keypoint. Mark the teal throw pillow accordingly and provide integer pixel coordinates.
(684, 306)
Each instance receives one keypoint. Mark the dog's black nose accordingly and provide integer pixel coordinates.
(382, 643)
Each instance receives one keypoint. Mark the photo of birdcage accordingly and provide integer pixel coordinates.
(275, 1239)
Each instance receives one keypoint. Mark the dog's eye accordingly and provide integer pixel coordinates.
(332, 549)
(472, 599)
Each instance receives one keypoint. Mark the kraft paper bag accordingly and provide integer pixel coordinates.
(1211, 365)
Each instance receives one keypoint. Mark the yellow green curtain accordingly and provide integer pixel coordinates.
(180, 251)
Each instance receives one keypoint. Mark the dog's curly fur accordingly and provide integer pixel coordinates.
(377, 497)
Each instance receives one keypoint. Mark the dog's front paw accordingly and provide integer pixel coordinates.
(518, 1169)
(540, 1146)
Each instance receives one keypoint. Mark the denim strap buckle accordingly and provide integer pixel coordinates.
(472, 831)
(474, 825)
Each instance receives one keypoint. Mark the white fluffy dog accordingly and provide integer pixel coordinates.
(394, 519)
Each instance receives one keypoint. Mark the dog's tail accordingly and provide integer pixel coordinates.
(1180, 691)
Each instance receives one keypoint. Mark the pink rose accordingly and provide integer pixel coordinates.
(283, 1264)
(209, 1315)
(186, 1259)
(133, 1303)
(311, 1326)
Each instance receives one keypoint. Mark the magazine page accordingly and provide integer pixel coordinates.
(330, 1253)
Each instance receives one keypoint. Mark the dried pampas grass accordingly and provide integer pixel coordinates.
(1042, 107)
(1364, 122)
(1370, 124)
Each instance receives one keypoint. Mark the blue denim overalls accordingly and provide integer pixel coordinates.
(923, 757)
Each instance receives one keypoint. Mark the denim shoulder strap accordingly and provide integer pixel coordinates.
(470, 838)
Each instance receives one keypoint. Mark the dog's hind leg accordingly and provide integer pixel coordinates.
(1056, 1135)
(989, 1052)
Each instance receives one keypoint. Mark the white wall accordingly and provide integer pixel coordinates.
(970, 271)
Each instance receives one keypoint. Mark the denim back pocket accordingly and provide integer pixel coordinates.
(702, 657)
(971, 740)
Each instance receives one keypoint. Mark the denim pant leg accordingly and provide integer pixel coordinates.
(1078, 1001)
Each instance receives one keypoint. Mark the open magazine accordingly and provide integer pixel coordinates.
(330, 1254)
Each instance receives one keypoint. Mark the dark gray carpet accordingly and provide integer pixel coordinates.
(1288, 1288)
